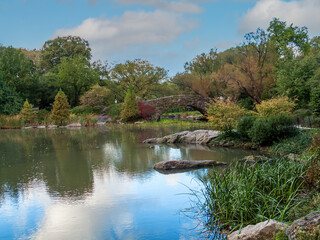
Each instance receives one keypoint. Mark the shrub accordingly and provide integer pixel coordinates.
(224, 114)
(244, 125)
(267, 130)
(43, 116)
(114, 110)
(146, 110)
(10, 122)
(130, 109)
(61, 108)
(97, 96)
(10, 101)
(275, 107)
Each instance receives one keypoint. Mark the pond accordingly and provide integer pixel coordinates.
(96, 183)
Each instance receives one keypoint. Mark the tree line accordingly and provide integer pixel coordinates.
(281, 60)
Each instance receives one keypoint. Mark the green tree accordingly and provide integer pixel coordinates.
(130, 109)
(75, 76)
(54, 50)
(142, 76)
(204, 64)
(287, 39)
(97, 96)
(19, 72)
(26, 113)
(10, 101)
(294, 76)
(60, 109)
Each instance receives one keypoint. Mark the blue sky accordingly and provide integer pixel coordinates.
(166, 32)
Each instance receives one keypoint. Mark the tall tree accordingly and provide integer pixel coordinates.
(19, 72)
(288, 40)
(130, 109)
(251, 71)
(61, 108)
(54, 50)
(75, 76)
(142, 75)
(10, 101)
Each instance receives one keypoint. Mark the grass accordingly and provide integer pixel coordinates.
(295, 145)
(246, 195)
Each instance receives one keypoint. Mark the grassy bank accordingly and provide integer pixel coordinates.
(280, 189)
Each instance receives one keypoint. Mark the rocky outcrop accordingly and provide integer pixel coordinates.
(264, 230)
(186, 164)
(305, 224)
(198, 136)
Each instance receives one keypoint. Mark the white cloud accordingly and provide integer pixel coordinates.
(132, 29)
(175, 6)
(299, 12)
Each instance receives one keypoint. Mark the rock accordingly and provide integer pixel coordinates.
(252, 159)
(103, 119)
(139, 122)
(41, 127)
(186, 164)
(52, 126)
(73, 125)
(30, 127)
(198, 136)
(304, 224)
(263, 230)
(293, 157)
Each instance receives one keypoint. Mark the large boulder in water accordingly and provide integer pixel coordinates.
(198, 136)
(186, 164)
(263, 230)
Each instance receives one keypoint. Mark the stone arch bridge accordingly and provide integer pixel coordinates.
(161, 105)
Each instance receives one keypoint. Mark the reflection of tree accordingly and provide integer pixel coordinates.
(66, 160)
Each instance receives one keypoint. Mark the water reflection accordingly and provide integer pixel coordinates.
(94, 184)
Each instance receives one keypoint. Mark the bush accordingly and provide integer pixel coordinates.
(244, 126)
(275, 107)
(10, 122)
(267, 130)
(97, 96)
(114, 110)
(146, 110)
(224, 114)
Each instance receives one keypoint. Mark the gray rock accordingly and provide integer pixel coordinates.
(198, 137)
(252, 159)
(41, 127)
(74, 125)
(263, 230)
(52, 126)
(303, 224)
(186, 164)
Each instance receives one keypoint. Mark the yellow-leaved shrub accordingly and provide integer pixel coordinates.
(275, 107)
(224, 114)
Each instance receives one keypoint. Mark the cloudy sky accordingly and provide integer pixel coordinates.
(166, 32)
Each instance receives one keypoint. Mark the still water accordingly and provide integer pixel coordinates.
(96, 183)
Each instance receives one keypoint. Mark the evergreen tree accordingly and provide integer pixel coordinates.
(130, 109)
(61, 108)
(26, 113)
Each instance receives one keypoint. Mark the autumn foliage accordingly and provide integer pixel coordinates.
(146, 110)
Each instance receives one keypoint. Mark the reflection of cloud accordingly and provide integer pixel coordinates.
(172, 179)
